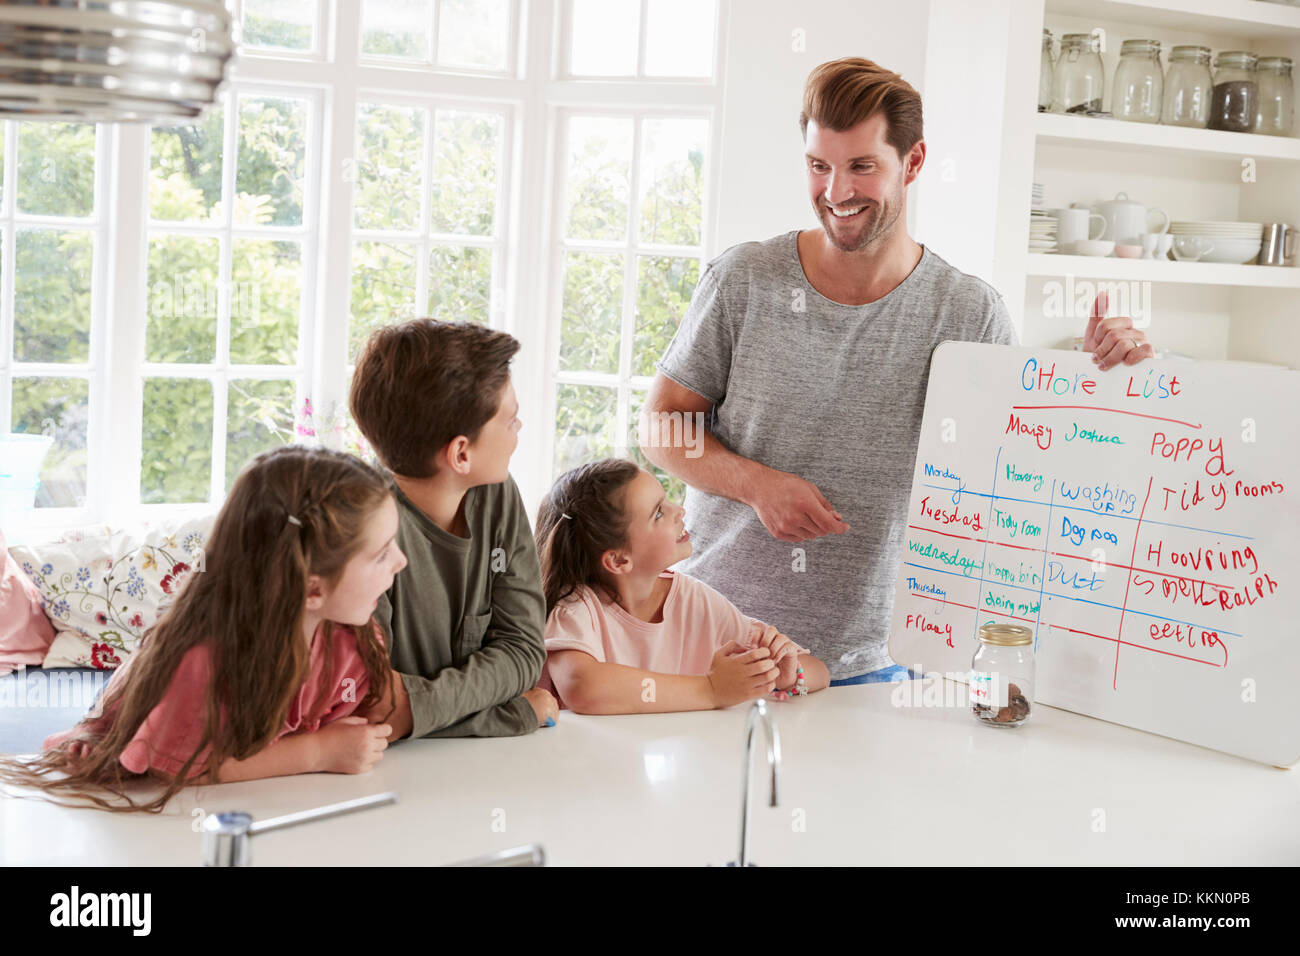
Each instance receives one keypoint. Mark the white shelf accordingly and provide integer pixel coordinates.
(1086, 132)
(1155, 270)
(1248, 19)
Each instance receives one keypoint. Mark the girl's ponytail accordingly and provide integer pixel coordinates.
(579, 520)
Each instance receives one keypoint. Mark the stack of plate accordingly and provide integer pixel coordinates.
(1236, 242)
(1042, 232)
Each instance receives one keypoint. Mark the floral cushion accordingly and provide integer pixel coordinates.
(102, 589)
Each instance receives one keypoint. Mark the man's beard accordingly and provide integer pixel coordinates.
(874, 224)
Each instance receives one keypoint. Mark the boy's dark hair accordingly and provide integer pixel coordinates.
(580, 519)
(419, 384)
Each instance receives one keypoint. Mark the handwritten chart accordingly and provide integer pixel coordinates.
(1142, 522)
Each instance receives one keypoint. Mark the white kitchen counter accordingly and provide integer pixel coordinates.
(870, 782)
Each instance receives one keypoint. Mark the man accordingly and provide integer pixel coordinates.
(810, 353)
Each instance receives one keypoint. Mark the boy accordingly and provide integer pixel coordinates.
(464, 621)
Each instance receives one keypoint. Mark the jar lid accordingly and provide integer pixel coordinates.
(1139, 46)
(1238, 58)
(1084, 41)
(1189, 53)
(1275, 63)
(1005, 635)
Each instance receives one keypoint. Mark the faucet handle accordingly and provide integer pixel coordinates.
(226, 835)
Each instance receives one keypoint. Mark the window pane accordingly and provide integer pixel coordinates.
(593, 305)
(397, 28)
(675, 488)
(185, 173)
(679, 38)
(600, 152)
(279, 24)
(383, 288)
(264, 302)
(52, 296)
(56, 169)
(604, 37)
(672, 180)
(59, 407)
(259, 415)
(465, 171)
(390, 143)
(460, 284)
(584, 425)
(663, 291)
(183, 299)
(176, 458)
(271, 169)
(474, 33)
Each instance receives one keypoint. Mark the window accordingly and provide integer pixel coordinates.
(174, 300)
(632, 220)
(427, 215)
(229, 274)
(51, 297)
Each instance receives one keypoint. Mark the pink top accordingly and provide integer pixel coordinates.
(173, 729)
(697, 621)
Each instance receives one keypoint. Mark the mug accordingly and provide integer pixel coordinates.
(1075, 224)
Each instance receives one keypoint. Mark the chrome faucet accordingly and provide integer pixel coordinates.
(757, 713)
(227, 836)
(531, 855)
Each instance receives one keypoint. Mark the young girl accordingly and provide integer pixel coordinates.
(623, 634)
(268, 663)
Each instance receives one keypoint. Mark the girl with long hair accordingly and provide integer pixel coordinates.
(268, 663)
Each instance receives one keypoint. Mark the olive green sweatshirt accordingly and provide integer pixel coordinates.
(464, 619)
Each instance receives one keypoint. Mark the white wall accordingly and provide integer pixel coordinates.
(761, 182)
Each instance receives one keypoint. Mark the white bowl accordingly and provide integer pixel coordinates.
(1094, 247)
(1233, 250)
(1129, 252)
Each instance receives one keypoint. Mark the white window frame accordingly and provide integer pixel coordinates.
(526, 266)
(95, 368)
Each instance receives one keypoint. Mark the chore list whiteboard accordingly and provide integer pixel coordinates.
(1142, 522)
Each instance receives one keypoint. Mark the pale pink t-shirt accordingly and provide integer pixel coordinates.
(173, 729)
(697, 622)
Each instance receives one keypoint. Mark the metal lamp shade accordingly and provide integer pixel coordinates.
(112, 60)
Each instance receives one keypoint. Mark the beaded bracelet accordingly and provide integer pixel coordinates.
(799, 689)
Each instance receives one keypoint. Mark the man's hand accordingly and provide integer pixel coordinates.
(1114, 340)
(793, 509)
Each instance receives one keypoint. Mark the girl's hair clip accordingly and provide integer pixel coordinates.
(294, 521)
(566, 515)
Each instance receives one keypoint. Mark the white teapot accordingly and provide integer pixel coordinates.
(1127, 220)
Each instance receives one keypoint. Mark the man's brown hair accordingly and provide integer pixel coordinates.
(419, 384)
(842, 93)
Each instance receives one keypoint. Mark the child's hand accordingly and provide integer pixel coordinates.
(738, 675)
(788, 670)
(783, 650)
(352, 745)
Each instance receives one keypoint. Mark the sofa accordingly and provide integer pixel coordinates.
(73, 610)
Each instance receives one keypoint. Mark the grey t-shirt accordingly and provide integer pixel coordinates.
(833, 393)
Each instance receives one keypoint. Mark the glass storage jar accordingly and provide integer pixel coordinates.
(1045, 66)
(1235, 97)
(1079, 79)
(1188, 86)
(1002, 675)
(1276, 112)
(1139, 83)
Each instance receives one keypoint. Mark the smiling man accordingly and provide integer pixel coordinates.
(811, 352)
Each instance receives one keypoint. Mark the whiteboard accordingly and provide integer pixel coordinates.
(1141, 521)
